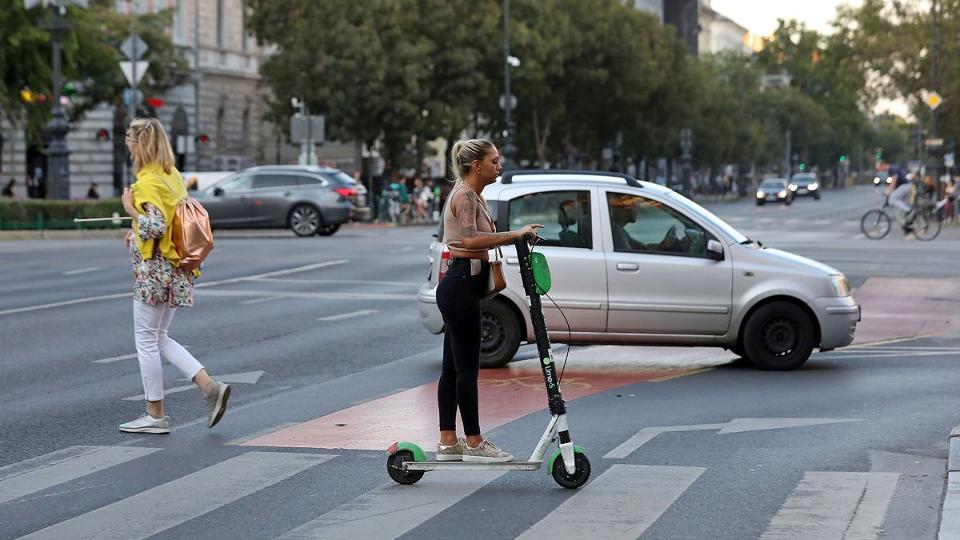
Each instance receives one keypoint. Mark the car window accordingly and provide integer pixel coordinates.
(565, 216)
(309, 181)
(642, 225)
(237, 183)
(273, 180)
(341, 178)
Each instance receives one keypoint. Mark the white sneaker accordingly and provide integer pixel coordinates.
(454, 452)
(487, 452)
(147, 424)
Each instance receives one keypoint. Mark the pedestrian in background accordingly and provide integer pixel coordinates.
(469, 231)
(92, 193)
(8, 189)
(160, 286)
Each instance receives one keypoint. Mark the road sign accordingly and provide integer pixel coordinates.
(133, 48)
(128, 95)
(513, 101)
(933, 100)
(127, 67)
(301, 130)
(934, 142)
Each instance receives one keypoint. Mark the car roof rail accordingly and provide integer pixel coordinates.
(507, 177)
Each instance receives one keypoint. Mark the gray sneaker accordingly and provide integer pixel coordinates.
(217, 402)
(147, 424)
(454, 452)
(487, 452)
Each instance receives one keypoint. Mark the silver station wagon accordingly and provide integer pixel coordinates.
(636, 263)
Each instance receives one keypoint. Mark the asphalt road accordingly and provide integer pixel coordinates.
(321, 339)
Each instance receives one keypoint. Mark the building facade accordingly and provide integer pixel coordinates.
(222, 103)
(719, 33)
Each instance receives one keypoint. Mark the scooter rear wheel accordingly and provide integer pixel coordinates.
(395, 468)
(581, 472)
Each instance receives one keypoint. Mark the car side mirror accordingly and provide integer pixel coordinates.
(714, 250)
(217, 192)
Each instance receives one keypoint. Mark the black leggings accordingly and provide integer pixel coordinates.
(458, 297)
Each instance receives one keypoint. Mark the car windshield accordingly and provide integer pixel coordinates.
(340, 178)
(772, 184)
(709, 217)
(803, 180)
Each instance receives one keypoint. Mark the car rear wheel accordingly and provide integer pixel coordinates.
(778, 336)
(499, 334)
(328, 230)
(304, 220)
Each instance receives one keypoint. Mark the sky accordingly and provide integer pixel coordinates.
(760, 17)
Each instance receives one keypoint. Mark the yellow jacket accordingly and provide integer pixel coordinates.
(165, 191)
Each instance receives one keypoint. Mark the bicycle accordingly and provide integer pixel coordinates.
(876, 224)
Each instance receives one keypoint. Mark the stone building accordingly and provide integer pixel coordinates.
(224, 62)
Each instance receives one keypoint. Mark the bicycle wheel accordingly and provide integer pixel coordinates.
(875, 224)
(926, 227)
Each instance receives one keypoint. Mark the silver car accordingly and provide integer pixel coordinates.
(307, 200)
(636, 263)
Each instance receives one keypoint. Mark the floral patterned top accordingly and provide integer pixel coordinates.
(156, 280)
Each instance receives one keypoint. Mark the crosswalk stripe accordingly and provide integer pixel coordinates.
(622, 502)
(834, 505)
(390, 510)
(48, 470)
(160, 508)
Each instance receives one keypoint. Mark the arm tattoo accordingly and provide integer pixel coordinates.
(467, 215)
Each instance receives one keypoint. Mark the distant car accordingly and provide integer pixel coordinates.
(633, 262)
(307, 200)
(882, 179)
(805, 185)
(774, 190)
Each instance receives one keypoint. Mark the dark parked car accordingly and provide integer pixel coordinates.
(307, 200)
(774, 190)
(805, 185)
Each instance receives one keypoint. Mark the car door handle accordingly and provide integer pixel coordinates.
(628, 267)
(287, 193)
(513, 261)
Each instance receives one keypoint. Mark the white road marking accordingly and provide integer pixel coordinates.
(264, 299)
(391, 510)
(737, 425)
(834, 505)
(82, 270)
(598, 509)
(139, 516)
(247, 377)
(42, 472)
(115, 358)
(340, 282)
(309, 295)
(88, 299)
(352, 315)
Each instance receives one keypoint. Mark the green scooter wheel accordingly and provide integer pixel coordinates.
(581, 472)
(395, 468)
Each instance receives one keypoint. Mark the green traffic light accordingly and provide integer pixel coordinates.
(803, 166)
(843, 158)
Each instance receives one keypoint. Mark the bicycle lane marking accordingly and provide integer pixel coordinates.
(505, 395)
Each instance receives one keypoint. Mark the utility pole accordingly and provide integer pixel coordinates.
(196, 82)
(58, 156)
(934, 151)
(509, 150)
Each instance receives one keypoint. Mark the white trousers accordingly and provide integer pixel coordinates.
(150, 324)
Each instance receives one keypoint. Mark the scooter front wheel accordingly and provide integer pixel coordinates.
(581, 472)
(395, 468)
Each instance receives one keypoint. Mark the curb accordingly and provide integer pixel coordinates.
(80, 234)
(950, 513)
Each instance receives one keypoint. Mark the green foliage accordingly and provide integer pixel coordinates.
(55, 214)
(89, 59)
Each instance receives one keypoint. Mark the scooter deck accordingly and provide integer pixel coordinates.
(471, 465)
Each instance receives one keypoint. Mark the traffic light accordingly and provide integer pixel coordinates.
(69, 89)
(803, 166)
(103, 135)
(203, 138)
(154, 102)
(26, 95)
(843, 157)
(879, 153)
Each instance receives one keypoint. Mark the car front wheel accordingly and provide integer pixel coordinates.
(778, 336)
(304, 220)
(499, 334)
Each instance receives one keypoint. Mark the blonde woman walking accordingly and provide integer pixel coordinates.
(160, 286)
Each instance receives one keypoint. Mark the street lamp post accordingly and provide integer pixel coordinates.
(934, 162)
(509, 150)
(58, 156)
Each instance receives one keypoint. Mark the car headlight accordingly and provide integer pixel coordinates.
(841, 287)
(876, 180)
(760, 195)
(793, 187)
(813, 186)
(782, 194)
(890, 180)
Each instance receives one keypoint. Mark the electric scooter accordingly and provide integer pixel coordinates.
(407, 462)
